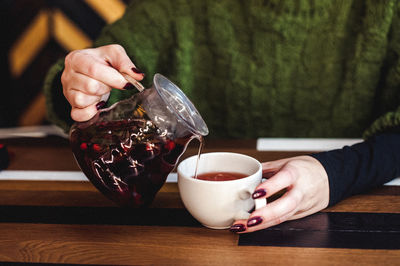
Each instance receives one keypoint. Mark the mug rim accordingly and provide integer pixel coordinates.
(191, 178)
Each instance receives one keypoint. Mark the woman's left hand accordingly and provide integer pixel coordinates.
(307, 192)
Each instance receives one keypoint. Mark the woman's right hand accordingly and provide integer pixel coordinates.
(90, 74)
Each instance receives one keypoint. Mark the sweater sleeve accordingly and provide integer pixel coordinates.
(363, 166)
(387, 122)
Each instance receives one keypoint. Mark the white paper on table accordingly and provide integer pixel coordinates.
(31, 132)
(303, 144)
(55, 176)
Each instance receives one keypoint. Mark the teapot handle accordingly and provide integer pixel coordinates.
(133, 81)
(104, 97)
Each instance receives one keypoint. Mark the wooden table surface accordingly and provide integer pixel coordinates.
(119, 244)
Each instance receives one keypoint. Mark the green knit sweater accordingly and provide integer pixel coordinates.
(253, 68)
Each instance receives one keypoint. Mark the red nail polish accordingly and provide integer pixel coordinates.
(129, 86)
(259, 193)
(100, 105)
(137, 71)
(254, 221)
(236, 228)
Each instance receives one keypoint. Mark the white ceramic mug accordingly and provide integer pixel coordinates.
(217, 204)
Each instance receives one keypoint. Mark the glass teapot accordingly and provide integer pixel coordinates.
(128, 149)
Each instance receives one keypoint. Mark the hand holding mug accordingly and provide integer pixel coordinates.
(307, 192)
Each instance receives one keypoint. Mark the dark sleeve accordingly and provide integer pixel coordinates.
(363, 166)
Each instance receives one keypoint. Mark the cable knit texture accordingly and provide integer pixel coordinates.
(299, 68)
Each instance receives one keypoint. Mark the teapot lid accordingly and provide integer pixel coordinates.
(179, 104)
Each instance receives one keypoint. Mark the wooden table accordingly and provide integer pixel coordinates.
(29, 241)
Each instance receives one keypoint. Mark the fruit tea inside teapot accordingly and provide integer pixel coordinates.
(128, 149)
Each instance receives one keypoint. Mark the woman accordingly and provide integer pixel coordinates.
(261, 69)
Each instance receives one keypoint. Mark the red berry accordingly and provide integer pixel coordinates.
(84, 146)
(170, 145)
(96, 147)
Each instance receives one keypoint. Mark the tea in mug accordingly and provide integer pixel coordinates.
(220, 176)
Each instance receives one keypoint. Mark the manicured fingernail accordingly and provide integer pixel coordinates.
(129, 86)
(259, 193)
(237, 228)
(137, 71)
(254, 221)
(100, 105)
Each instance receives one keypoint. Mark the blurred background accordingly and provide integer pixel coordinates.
(35, 33)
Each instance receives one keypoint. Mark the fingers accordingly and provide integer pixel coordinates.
(273, 214)
(86, 85)
(88, 65)
(276, 212)
(80, 100)
(90, 74)
(116, 56)
(307, 191)
(280, 176)
(83, 94)
(83, 114)
(103, 64)
(280, 180)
